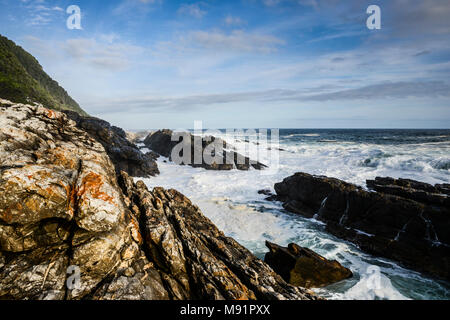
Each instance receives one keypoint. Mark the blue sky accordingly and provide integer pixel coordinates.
(249, 63)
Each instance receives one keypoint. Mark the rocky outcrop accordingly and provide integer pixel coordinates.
(414, 190)
(404, 222)
(303, 267)
(69, 229)
(161, 142)
(124, 154)
(197, 260)
(136, 137)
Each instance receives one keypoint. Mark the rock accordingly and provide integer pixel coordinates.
(198, 260)
(411, 189)
(63, 208)
(303, 267)
(394, 223)
(59, 205)
(266, 192)
(124, 154)
(161, 142)
(136, 137)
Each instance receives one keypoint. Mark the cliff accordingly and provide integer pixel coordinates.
(22, 79)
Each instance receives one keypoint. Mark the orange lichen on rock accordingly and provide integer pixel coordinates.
(92, 183)
(135, 233)
(7, 214)
(50, 113)
(60, 158)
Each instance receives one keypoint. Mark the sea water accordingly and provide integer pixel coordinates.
(230, 199)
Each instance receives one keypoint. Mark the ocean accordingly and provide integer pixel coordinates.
(231, 200)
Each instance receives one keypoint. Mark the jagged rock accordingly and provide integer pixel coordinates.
(124, 154)
(161, 142)
(61, 206)
(411, 232)
(411, 189)
(303, 267)
(197, 259)
(136, 137)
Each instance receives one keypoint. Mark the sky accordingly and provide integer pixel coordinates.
(145, 64)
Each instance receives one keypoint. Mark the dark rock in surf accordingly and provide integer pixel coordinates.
(407, 221)
(266, 192)
(411, 189)
(303, 267)
(161, 143)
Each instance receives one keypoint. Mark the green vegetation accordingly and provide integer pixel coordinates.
(23, 80)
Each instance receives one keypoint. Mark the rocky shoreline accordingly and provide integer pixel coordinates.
(68, 200)
(403, 220)
(64, 206)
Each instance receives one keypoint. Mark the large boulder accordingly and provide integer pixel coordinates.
(161, 142)
(393, 223)
(125, 155)
(63, 209)
(303, 267)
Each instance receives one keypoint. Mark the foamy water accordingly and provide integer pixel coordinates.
(231, 201)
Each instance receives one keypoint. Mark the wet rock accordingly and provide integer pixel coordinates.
(161, 142)
(197, 260)
(411, 189)
(124, 154)
(266, 192)
(393, 223)
(303, 267)
(62, 208)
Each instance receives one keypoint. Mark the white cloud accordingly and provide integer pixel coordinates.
(379, 91)
(237, 40)
(271, 3)
(40, 14)
(233, 21)
(99, 54)
(192, 10)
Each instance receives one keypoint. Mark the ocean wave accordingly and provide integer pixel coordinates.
(441, 164)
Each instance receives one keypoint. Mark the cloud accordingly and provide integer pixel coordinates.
(192, 10)
(237, 40)
(381, 91)
(389, 90)
(40, 14)
(418, 17)
(422, 53)
(271, 3)
(126, 7)
(103, 55)
(233, 21)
